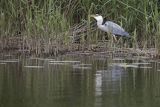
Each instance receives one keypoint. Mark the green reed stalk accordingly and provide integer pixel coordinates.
(50, 18)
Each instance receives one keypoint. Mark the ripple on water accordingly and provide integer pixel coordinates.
(143, 63)
(3, 63)
(145, 67)
(58, 63)
(9, 61)
(34, 66)
(42, 59)
(64, 61)
(125, 65)
(82, 66)
(118, 59)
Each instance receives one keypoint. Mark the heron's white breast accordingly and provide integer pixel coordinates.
(103, 28)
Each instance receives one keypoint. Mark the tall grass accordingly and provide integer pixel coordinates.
(48, 18)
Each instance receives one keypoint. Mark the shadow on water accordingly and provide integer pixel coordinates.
(79, 81)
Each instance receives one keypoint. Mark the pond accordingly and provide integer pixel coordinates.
(79, 81)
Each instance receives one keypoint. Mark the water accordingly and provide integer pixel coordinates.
(79, 81)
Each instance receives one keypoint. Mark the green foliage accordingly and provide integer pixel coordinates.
(49, 17)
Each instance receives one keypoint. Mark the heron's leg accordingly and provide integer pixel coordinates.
(106, 36)
(115, 38)
(119, 41)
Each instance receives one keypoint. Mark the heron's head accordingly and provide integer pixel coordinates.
(97, 17)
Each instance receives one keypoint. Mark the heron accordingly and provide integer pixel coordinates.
(110, 27)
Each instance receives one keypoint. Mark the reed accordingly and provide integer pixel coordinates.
(51, 19)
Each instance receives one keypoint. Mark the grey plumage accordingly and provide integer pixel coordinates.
(109, 26)
(115, 29)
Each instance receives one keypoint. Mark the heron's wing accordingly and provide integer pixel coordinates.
(115, 28)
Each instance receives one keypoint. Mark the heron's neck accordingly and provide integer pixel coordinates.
(99, 22)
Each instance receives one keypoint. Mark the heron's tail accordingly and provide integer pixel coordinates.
(126, 34)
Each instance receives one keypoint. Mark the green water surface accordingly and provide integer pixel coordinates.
(93, 82)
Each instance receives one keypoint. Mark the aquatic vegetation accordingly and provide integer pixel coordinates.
(46, 24)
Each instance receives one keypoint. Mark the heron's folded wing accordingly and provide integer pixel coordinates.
(115, 28)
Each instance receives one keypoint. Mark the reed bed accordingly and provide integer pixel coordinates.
(53, 26)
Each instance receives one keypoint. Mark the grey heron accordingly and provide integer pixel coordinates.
(110, 27)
